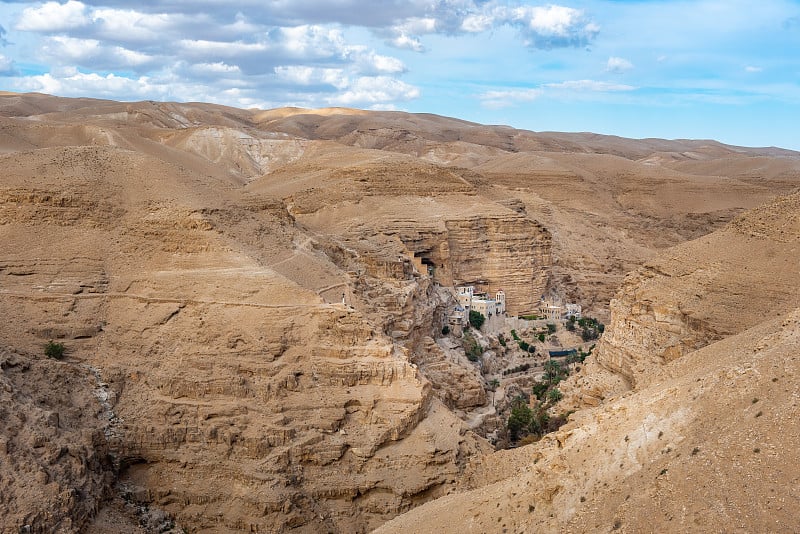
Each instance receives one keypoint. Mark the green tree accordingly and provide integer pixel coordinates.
(554, 395)
(476, 319)
(552, 371)
(520, 420)
(551, 328)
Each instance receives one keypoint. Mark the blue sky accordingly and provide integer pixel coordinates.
(726, 70)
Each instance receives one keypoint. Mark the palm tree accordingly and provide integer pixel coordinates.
(552, 370)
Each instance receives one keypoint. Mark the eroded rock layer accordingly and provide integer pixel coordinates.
(252, 307)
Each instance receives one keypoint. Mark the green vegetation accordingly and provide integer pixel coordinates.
(554, 395)
(471, 347)
(501, 339)
(524, 345)
(590, 328)
(476, 319)
(528, 424)
(54, 350)
(541, 336)
(445, 330)
(551, 328)
(518, 369)
(514, 335)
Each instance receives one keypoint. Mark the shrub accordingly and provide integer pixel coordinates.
(476, 319)
(541, 336)
(472, 348)
(555, 395)
(539, 389)
(551, 328)
(445, 330)
(524, 345)
(514, 335)
(54, 350)
(501, 339)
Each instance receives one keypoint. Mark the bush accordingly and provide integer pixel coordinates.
(476, 319)
(541, 336)
(54, 350)
(501, 339)
(524, 345)
(472, 348)
(539, 389)
(445, 330)
(555, 395)
(551, 328)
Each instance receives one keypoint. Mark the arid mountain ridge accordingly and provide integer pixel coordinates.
(244, 300)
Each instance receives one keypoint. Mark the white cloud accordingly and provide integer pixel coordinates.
(218, 69)
(6, 66)
(589, 85)
(503, 98)
(53, 17)
(92, 53)
(130, 25)
(372, 63)
(477, 23)
(618, 65)
(509, 97)
(219, 49)
(302, 75)
(80, 84)
(370, 91)
(540, 27)
(406, 42)
(752, 68)
(312, 41)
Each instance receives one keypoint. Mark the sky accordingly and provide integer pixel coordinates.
(706, 69)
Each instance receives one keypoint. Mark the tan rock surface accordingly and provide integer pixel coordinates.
(706, 440)
(193, 258)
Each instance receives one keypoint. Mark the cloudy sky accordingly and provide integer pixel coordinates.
(722, 69)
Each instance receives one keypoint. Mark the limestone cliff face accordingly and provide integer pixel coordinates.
(703, 291)
(509, 252)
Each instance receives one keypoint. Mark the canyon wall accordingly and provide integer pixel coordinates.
(703, 291)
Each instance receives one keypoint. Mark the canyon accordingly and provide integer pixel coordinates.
(252, 307)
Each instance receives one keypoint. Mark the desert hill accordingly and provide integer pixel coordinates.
(252, 306)
(703, 438)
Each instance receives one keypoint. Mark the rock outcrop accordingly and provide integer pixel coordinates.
(703, 291)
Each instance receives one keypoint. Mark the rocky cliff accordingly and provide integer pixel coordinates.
(701, 438)
(703, 291)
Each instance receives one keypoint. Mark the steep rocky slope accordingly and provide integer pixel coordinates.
(252, 302)
(706, 336)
